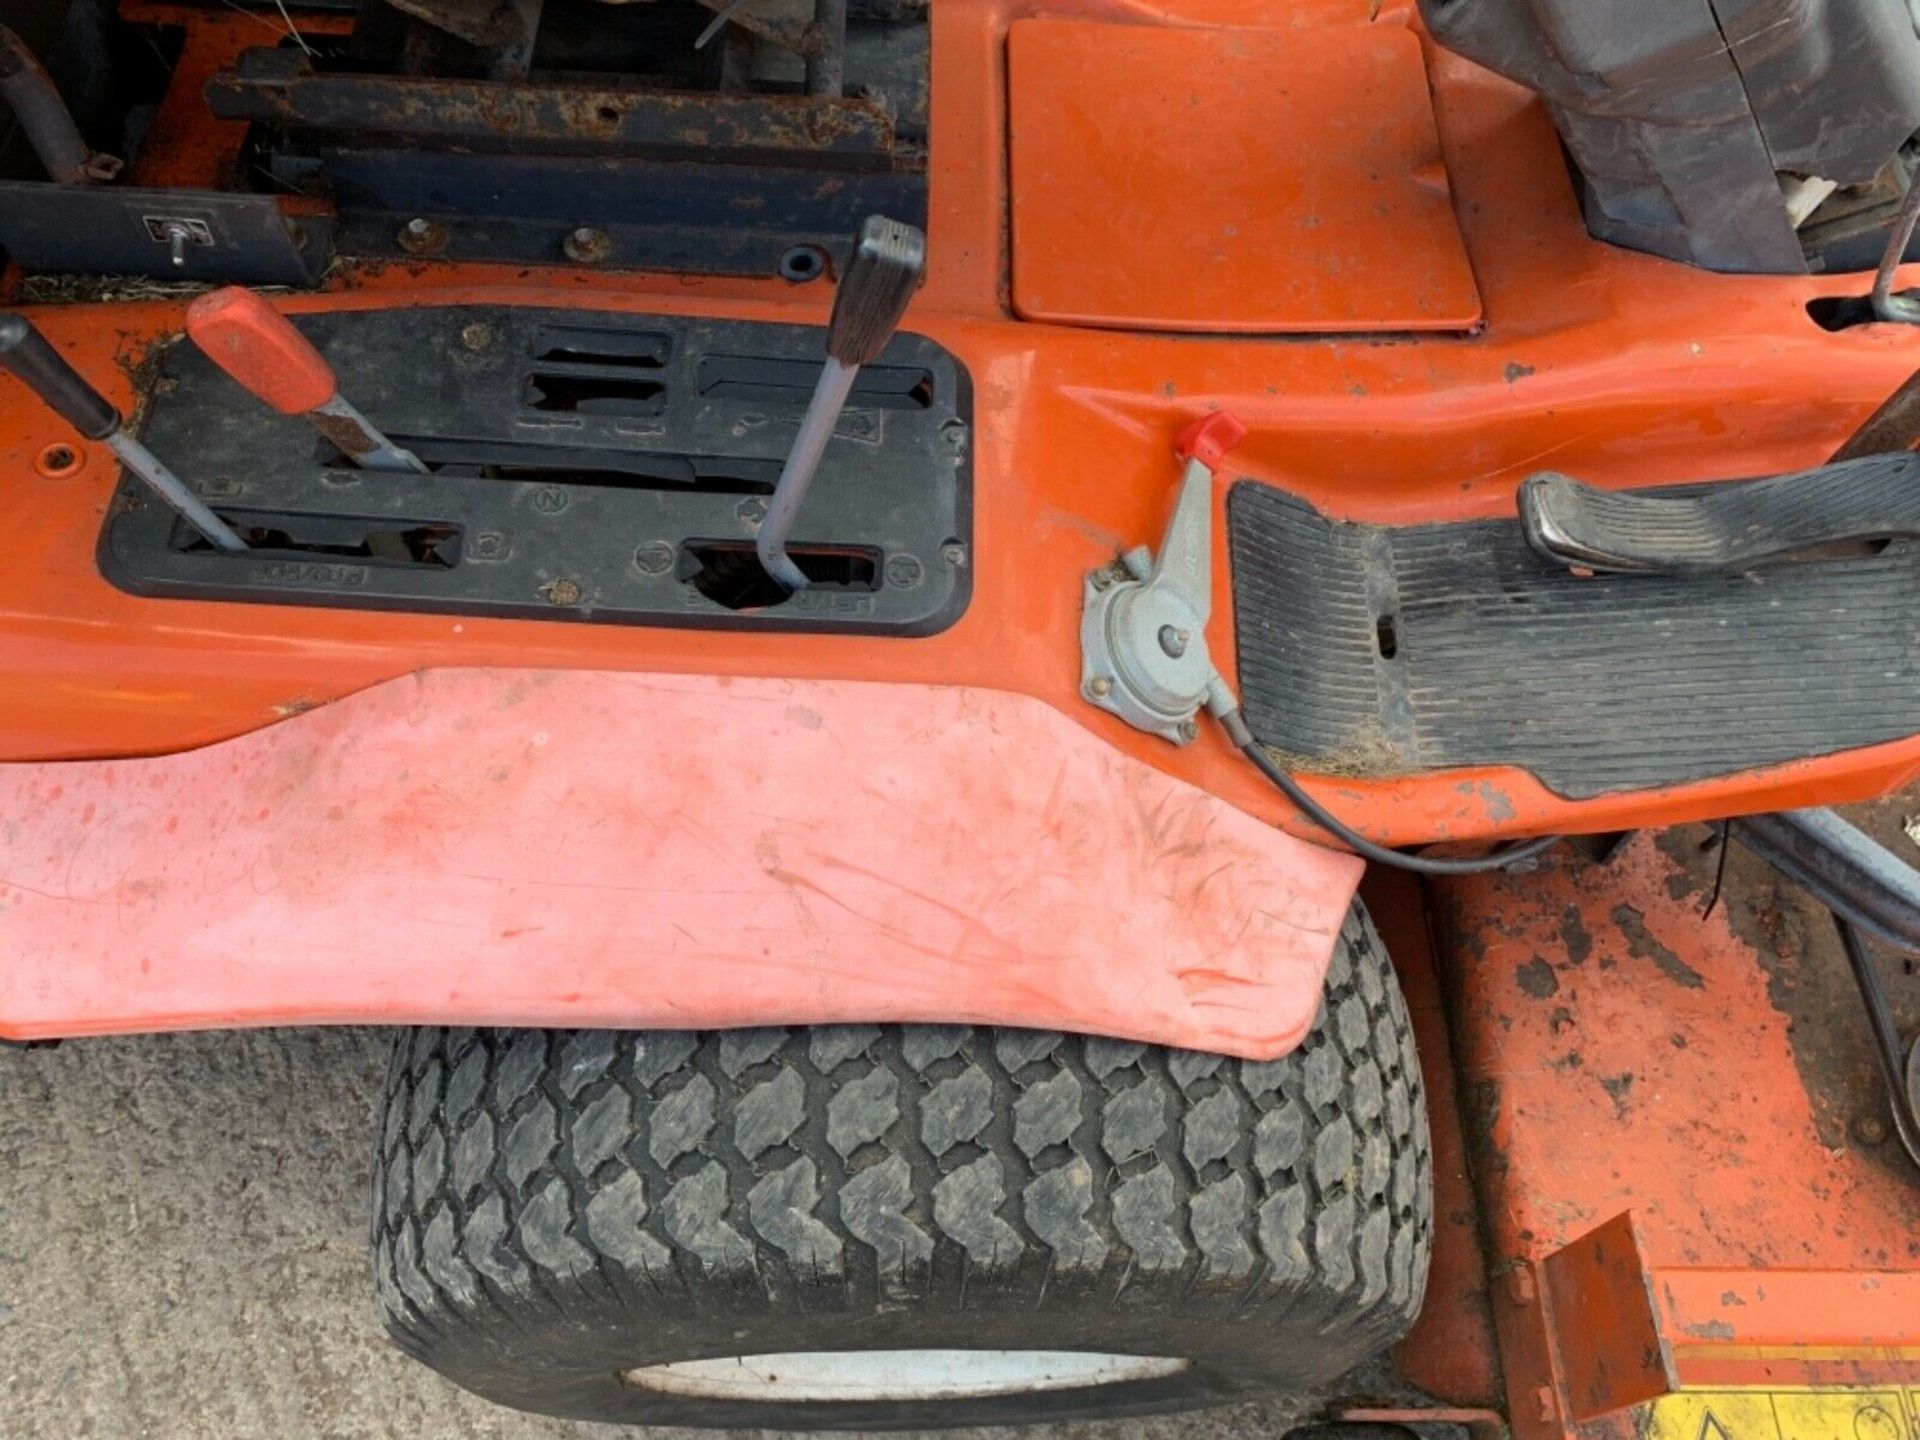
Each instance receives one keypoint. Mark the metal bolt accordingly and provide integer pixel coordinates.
(587, 246)
(1189, 732)
(477, 336)
(1099, 687)
(1870, 1129)
(561, 592)
(955, 555)
(421, 236)
(1173, 641)
(178, 236)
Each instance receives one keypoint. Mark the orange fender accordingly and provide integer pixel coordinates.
(534, 847)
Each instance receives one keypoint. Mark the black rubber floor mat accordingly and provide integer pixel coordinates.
(1370, 650)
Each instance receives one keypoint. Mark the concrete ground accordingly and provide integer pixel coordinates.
(183, 1223)
(183, 1253)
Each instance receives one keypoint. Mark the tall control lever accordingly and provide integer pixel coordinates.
(258, 346)
(25, 353)
(889, 260)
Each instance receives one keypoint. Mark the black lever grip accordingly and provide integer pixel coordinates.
(25, 352)
(889, 259)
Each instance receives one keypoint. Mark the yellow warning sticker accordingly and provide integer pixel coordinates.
(1831, 1414)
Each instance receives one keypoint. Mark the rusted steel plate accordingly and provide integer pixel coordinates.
(280, 88)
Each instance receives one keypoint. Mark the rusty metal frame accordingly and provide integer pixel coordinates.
(280, 87)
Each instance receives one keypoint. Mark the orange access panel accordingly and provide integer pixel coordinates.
(1231, 180)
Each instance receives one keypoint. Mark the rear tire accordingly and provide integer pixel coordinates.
(555, 1211)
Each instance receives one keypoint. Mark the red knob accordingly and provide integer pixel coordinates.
(1209, 438)
(258, 346)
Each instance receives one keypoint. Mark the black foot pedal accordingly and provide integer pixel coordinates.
(1723, 528)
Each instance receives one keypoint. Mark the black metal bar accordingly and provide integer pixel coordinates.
(1843, 868)
(235, 237)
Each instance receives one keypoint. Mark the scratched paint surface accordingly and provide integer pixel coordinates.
(1621, 1052)
(563, 847)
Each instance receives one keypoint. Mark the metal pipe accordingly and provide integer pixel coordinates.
(173, 490)
(827, 70)
(1886, 304)
(796, 476)
(43, 115)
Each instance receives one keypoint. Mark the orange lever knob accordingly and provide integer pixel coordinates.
(258, 346)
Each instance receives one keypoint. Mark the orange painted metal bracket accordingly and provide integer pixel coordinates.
(1625, 1332)
(529, 847)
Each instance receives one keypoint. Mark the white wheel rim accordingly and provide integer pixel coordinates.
(852, 1375)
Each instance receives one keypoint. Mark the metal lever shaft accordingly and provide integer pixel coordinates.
(889, 259)
(25, 353)
(258, 346)
(30, 93)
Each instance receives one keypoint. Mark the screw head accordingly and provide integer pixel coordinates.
(1099, 687)
(421, 236)
(1189, 732)
(1869, 1129)
(477, 336)
(1174, 641)
(954, 554)
(587, 246)
(561, 592)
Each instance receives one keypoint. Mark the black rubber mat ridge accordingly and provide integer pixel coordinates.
(1374, 650)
